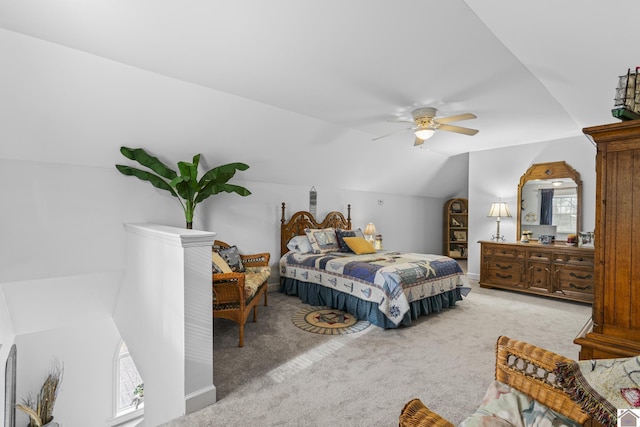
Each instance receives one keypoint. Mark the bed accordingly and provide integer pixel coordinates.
(387, 288)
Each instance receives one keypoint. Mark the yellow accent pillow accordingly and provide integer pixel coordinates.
(220, 263)
(359, 245)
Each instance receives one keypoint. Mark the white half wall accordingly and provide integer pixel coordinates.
(163, 312)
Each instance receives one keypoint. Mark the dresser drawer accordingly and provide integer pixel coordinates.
(505, 273)
(576, 282)
(539, 256)
(503, 252)
(580, 260)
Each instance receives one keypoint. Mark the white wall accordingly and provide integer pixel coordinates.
(87, 349)
(496, 174)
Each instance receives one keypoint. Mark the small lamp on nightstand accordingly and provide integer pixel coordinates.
(498, 209)
(370, 232)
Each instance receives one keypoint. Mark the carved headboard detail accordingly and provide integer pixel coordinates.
(301, 220)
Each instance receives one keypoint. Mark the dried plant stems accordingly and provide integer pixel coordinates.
(40, 412)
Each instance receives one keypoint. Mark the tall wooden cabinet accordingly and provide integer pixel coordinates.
(616, 306)
(455, 228)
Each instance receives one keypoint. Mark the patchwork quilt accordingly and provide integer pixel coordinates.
(390, 279)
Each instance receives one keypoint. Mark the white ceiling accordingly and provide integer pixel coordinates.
(530, 71)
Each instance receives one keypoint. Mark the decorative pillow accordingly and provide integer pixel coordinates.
(218, 264)
(341, 234)
(300, 244)
(505, 406)
(359, 245)
(322, 240)
(232, 256)
(601, 386)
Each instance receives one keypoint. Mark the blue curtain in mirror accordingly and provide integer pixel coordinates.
(546, 206)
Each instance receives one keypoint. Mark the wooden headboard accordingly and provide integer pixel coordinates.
(301, 220)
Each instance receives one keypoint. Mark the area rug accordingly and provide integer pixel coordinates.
(328, 321)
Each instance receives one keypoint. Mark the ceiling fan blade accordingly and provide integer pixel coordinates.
(418, 142)
(458, 129)
(389, 134)
(400, 121)
(456, 118)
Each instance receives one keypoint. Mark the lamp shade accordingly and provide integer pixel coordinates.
(499, 209)
(424, 133)
(370, 229)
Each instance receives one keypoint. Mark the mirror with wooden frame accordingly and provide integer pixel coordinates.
(549, 201)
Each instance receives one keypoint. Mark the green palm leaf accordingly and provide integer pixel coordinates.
(186, 187)
(145, 159)
(154, 179)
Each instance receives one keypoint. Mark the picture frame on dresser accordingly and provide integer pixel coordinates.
(585, 239)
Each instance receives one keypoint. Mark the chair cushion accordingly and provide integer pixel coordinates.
(505, 406)
(253, 278)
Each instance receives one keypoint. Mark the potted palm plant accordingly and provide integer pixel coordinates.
(40, 408)
(183, 184)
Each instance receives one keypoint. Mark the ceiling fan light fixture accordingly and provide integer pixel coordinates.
(424, 133)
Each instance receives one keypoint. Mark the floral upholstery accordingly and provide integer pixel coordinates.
(254, 277)
(505, 406)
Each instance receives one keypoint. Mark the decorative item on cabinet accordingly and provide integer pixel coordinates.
(498, 209)
(585, 239)
(626, 102)
(455, 228)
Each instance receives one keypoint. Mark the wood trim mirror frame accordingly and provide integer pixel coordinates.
(550, 171)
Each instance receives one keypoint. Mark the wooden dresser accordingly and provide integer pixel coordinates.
(557, 271)
(616, 306)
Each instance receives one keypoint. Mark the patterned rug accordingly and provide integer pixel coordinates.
(328, 321)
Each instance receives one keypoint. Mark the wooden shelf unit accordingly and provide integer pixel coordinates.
(455, 228)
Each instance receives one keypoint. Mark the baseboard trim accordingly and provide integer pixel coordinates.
(200, 399)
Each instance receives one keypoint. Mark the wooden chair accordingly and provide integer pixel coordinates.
(236, 294)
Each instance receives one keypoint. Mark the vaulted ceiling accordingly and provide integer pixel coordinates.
(335, 73)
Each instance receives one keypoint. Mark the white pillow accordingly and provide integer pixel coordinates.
(299, 244)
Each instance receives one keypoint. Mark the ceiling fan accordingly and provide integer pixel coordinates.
(425, 124)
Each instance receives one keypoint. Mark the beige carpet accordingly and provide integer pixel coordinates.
(285, 376)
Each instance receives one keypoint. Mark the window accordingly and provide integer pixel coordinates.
(127, 381)
(565, 210)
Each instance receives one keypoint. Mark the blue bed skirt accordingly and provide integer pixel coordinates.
(317, 295)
